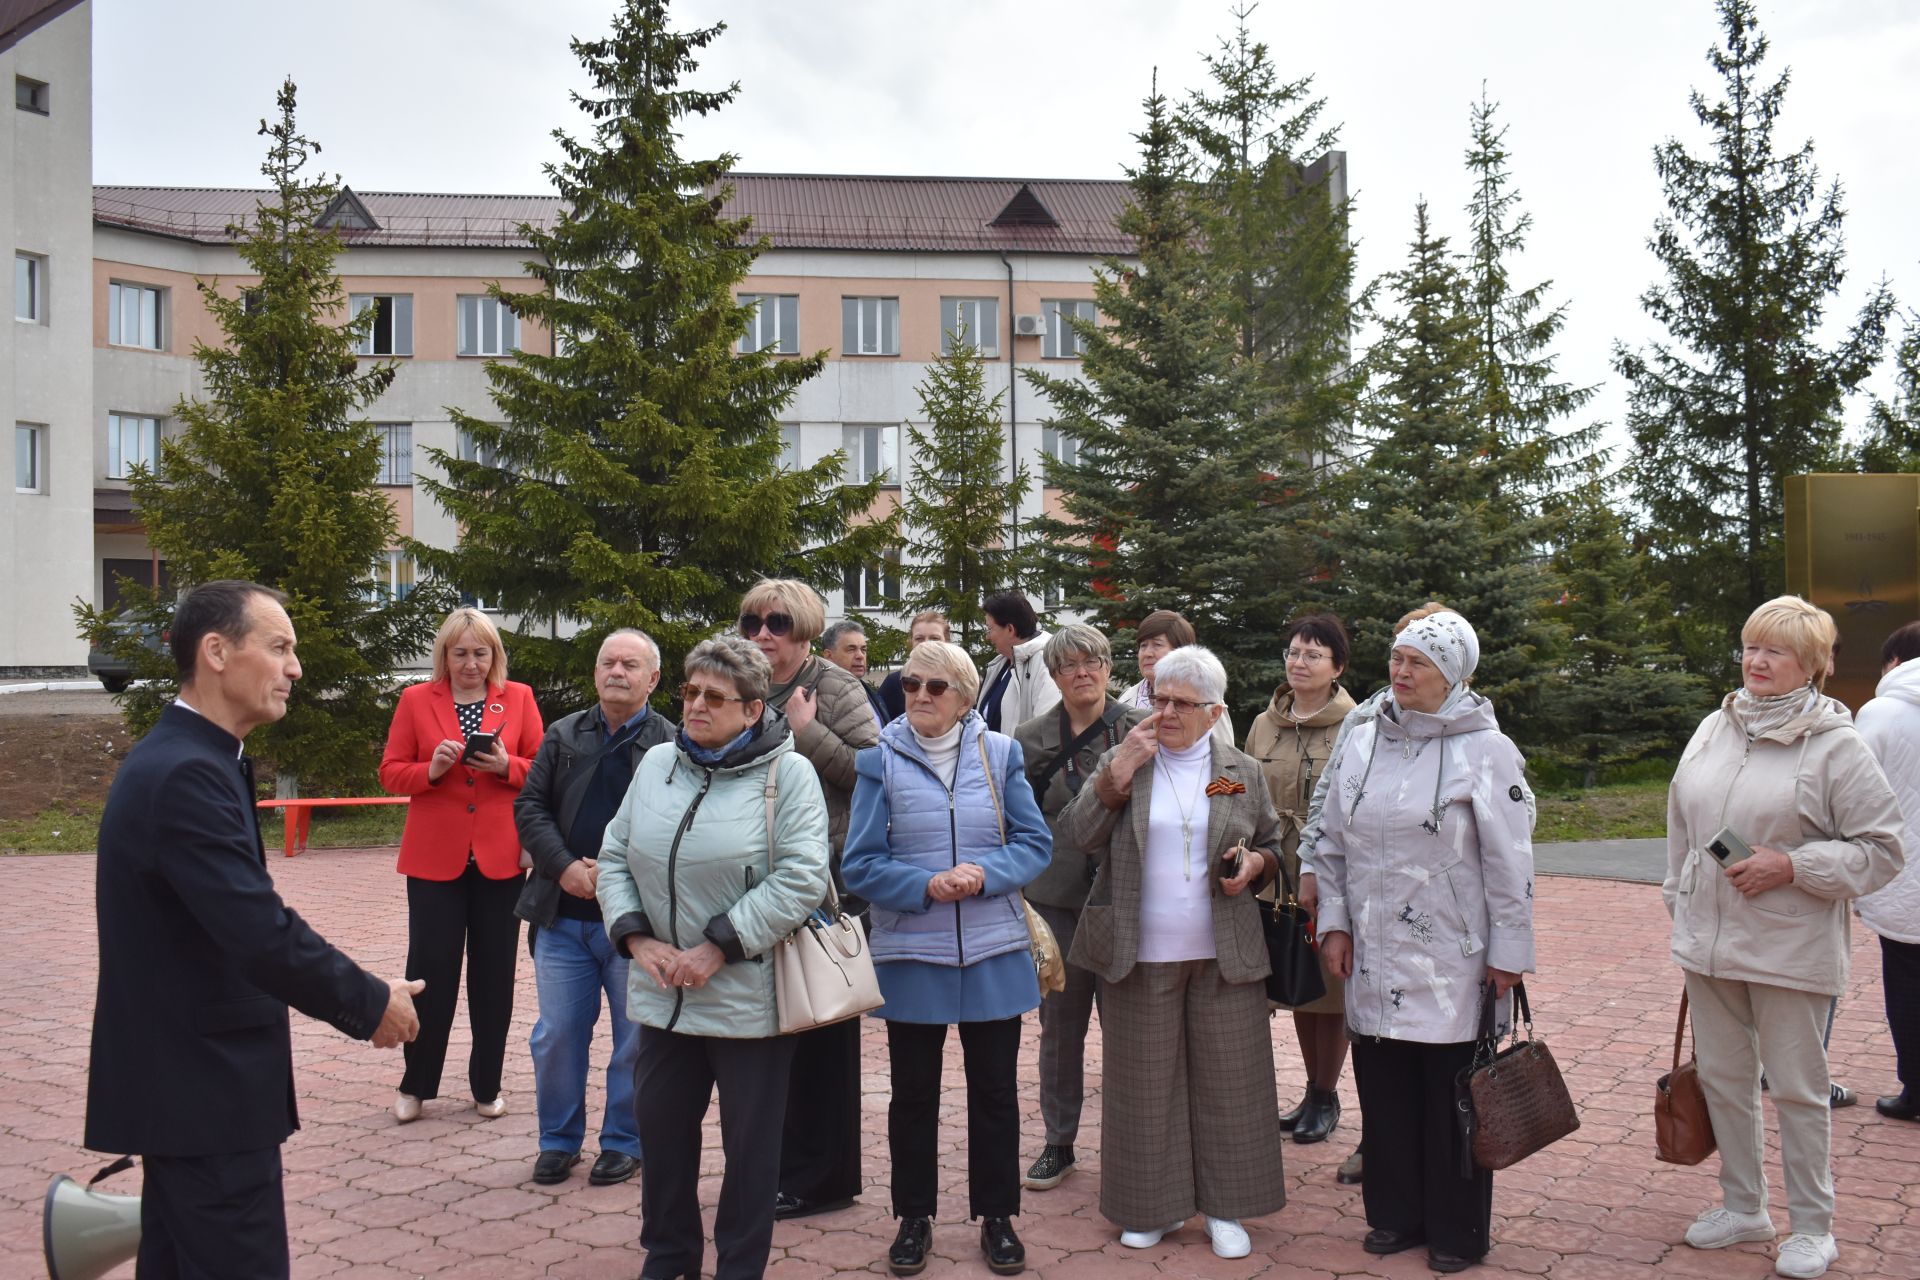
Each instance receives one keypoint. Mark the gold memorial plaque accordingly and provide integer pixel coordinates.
(1853, 548)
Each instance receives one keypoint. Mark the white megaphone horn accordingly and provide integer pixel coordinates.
(87, 1233)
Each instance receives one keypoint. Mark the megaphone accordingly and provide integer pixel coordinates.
(86, 1233)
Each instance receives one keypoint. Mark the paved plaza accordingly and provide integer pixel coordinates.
(449, 1195)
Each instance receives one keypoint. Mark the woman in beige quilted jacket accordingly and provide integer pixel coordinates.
(1763, 937)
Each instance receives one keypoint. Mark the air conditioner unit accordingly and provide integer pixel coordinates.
(1034, 326)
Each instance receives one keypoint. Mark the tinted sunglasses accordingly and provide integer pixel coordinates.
(913, 684)
(777, 624)
(715, 699)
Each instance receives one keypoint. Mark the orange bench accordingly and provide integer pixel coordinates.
(297, 815)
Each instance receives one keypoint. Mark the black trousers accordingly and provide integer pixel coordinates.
(991, 1051)
(1900, 980)
(820, 1139)
(218, 1217)
(1411, 1145)
(674, 1080)
(471, 915)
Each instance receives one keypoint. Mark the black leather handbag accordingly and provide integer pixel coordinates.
(1295, 979)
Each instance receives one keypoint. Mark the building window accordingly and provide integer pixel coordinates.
(487, 328)
(29, 458)
(1060, 446)
(132, 441)
(872, 586)
(133, 316)
(30, 288)
(467, 449)
(392, 331)
(31, 95)
(774, 325)
(872, 453)
(975, 322)
(396, 452)
(1062, 342)
(468, 600)
(870, 326)
(789, 446)
(393, 576)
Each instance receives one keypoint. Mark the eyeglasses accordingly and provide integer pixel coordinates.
(1179, 706)
(1086, 666)
(692, 693)
(777, 624)
(913, 684)
(1308, 656)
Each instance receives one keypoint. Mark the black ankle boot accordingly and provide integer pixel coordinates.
(1006, 1256)
(908, 1256)
(1288, 1119)
(1321, 1117)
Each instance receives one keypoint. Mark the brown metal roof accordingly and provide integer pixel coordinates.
(20, 18)
(794, 211)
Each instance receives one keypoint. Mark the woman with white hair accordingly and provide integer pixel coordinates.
(1425, 870)
(1181, 829)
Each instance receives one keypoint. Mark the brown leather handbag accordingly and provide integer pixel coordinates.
(1682, 1129)
(1512, 1101)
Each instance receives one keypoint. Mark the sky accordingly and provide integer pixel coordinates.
(464, 95)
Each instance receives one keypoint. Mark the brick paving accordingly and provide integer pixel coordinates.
(449, 1196)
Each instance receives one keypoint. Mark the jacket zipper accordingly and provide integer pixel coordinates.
(953, 847)
(673, 888)
(1726, 802)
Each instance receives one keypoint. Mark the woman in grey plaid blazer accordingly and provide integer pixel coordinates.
(1182, 830)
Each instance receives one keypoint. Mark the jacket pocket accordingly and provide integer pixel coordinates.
(243, 1014)
(1689, 879)
(1470, 941)
(1789, 902)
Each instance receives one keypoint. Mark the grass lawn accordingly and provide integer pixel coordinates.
(1621, 811)
(77, 830)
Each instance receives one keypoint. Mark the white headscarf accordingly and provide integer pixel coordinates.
(1448, 641)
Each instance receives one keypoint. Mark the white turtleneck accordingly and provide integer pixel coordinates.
(1176, 897)
(943, 752)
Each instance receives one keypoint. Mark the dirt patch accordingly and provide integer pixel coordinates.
(58, 761)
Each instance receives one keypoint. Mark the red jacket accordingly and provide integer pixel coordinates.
(468, 809)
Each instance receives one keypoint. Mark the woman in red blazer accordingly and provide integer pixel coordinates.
(460, 852)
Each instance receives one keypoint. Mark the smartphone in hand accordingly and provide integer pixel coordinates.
(480, 744)
(1729, 848)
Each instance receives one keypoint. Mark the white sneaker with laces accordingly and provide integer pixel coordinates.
(1804, 1256)
(1148, 1239)
(1718, 1228)
(1229, 1238)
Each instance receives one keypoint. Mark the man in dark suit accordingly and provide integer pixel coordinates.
(192, 1062)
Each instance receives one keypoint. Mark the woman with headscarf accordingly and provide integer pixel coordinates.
(1425, 867)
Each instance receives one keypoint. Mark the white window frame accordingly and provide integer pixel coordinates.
(1062, 343)
(789, 446)
(399, 312)
(774, 329)
(394, 576)
(30, 455)
(467, 449)
(1061, 446)
(482, 316)
(145, 430)
(396, 453)
(980, 317)
(129, 301)
(30, 287)
(872, 449)
(870, 326)
(866, 587)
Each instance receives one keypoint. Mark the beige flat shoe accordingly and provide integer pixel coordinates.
(406, 1108)
(492, 1110)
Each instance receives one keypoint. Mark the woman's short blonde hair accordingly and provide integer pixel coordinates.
(792, 597)
(1804, 630)
(944, 660)
(458, 623)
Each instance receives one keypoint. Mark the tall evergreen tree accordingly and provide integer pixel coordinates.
(1741, 394)
(272, 478)
(633, 477)
(1435, 510)
(1892, 441)
(957, 496)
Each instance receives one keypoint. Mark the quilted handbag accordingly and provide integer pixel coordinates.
(1682, 1129)
(1512, 1101)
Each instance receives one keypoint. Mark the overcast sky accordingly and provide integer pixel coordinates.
(462, 95)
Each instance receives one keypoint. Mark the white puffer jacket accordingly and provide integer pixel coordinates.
(1890, 724)
(1030, 692)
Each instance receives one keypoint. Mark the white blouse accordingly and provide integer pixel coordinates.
(1176, 898)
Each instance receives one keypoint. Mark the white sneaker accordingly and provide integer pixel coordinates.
(1718, 1228)
(406, 1108)
(1229, 1238)
(1148, 1239)
(1804, 1256)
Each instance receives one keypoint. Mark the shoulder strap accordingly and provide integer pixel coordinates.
(993, 790)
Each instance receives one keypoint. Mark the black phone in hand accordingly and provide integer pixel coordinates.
(480, 744)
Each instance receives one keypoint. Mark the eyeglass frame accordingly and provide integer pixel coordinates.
(1179, 706)
(750, 624)
(1308, 656)
(714, 699)
(926, 682)
(1084, 666)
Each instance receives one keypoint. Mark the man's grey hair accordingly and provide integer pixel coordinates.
(639, 635)
(735, 658)
(831, 636)
(1076, 642)
(1195, 667)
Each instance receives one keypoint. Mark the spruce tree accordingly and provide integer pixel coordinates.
(1741, 393)
(1435, 509)
(1892, 442)
(633, 477)
(957, 496)
(272, 477)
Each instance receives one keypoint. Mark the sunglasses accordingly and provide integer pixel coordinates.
(692, 693)
(777, 624)
(913, 684)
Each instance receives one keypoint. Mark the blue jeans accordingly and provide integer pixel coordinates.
(573, 962)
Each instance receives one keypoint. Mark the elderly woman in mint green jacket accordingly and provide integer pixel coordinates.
(698, 881)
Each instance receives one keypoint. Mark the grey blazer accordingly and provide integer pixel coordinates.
(1110, 826)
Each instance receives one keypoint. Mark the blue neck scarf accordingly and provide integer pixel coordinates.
(710, 756)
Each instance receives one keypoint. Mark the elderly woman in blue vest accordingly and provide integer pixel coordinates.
(944, 834)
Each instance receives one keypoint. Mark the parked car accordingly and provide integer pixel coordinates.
(115, 669)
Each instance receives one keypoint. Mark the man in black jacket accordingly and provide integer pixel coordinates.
(573, 789)
(192, 1060)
